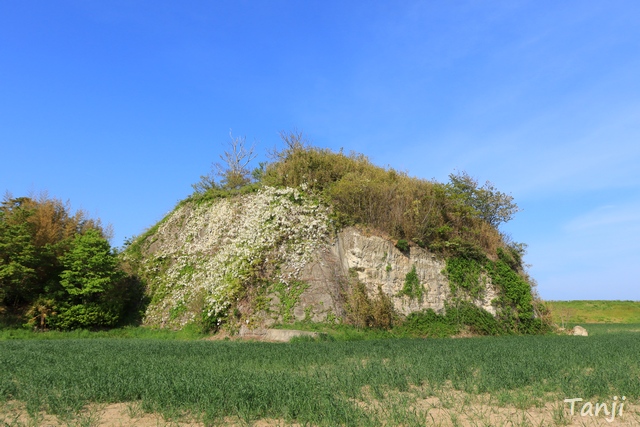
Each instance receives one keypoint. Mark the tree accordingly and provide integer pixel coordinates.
(487, 202)
(18, 261)
(90, 268)
(206, 183)
(34, 233)
(234, 169)
(57, 268)
(295, 141)
(19, 257)
(90, 277)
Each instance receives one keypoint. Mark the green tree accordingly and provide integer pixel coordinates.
(58, 270)
(34, 233)
(91, 279)
(18, 255)
(90, 268)
(487, 202)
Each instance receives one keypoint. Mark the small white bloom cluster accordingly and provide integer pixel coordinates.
(216, 248)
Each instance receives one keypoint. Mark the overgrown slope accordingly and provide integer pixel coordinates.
(206, 255)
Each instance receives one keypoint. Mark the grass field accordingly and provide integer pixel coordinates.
(358, 383)
(124, 333)
(574, 312)
(349, 377)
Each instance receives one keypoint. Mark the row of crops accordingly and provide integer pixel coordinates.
(313, 382)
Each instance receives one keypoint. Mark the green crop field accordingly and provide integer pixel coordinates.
(574, 312)
(357, 383)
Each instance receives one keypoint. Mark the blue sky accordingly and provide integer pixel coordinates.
(120, 106)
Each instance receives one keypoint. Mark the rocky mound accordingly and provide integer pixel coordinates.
(282, 250)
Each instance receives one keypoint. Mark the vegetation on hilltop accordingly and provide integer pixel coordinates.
(457, 218)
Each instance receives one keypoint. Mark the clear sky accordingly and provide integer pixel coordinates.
(119, 106)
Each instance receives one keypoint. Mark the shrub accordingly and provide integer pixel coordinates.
(479, 320)
(40, 312)
(358, 305)
(402, 245)
(405, 208)
(428, 323)
(84, 316)
(363, 312)
(383, 315)
(516, 299)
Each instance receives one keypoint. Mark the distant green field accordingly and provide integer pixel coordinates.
(575, 312)
(610, 328)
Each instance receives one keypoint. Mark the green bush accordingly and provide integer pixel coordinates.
(515, 299)
(460, 315)
(402, 245)
(90, 268)
(95, 292)
(479, 320)
(428, 323)
(84, 316)
(406, 208)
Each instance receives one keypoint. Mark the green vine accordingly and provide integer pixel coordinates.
(515, 300)
(465, 274)
(289, 296)
(412, 287)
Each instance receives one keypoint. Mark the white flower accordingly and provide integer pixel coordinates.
(213, 248)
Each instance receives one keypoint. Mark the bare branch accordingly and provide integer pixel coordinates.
(294, 141)
(235, 171)
(239, 157)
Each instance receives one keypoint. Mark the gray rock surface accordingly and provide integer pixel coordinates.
(274, 335)
(377, 263)
(579, 331)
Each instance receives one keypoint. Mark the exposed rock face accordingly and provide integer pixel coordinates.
(579, 331)
(377, 263)
(273, 335)
(270, 257)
